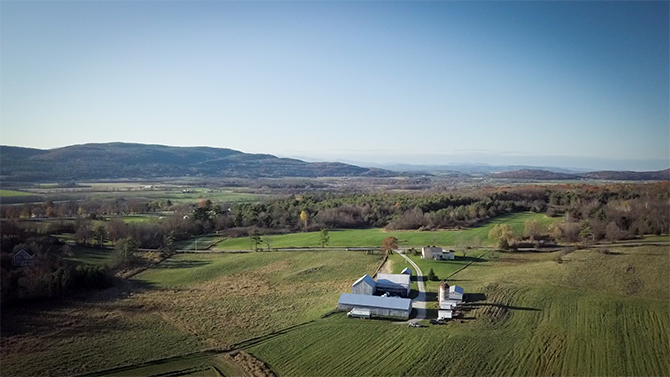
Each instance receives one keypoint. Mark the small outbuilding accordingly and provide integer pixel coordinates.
(398, 284)
(376, 306)
(456, 293)
(364, 286)
(406, 271)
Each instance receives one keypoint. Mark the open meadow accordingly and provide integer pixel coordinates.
(592, 314)
(373, 237)
(188, 303)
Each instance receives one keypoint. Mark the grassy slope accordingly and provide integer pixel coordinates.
(593, 314)
(374, 237)
(91, 255)
(208, 293)
(192, 302)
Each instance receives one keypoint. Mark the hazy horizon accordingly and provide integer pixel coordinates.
(481, 158)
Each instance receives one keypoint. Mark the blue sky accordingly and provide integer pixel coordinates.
(582, 84)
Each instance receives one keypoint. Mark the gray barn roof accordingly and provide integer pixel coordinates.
(393, 280)
(367, 279)
(394, 303)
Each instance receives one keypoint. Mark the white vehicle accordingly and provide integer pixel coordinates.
(359, 313)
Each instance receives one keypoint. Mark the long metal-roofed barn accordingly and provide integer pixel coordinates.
(398, 284)
(387, 307)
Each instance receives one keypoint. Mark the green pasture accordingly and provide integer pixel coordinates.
(592, 314)
(374, 237)
(232, 297)
(10, 193)
(176, 196)
(200, 243)
(91, 255)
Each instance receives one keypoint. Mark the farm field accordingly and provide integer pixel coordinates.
(200, 243)
(188, 303)
(442, 269)
(106, 191)
(91, 255)
(592, 314)
(374, 237)
(7, 193)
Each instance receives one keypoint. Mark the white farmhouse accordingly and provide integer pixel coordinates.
(427, 251)
(437, 253)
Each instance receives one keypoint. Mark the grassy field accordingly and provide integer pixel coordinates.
(208, 293)
(9, 193)
(202, 243)
(189, 303)
(374, 237)
(593, 314)
(91, 255)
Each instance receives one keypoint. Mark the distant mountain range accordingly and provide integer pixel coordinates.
(535, 174)
(144, 161)
(125, 160)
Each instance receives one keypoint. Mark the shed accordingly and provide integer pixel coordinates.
(364, 286)
(22, 258)
(406, 271)
(381, 307)
(456, 293)
(393, 283)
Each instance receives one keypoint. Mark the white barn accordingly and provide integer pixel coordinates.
(393, 283)
(364, 286)
(376, 306)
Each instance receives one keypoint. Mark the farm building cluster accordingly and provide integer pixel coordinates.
(437, 253)
(383, 298)
(450, 298)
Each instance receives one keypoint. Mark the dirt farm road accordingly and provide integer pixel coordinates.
(419, 303)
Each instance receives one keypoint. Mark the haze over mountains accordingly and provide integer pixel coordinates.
(145, 161)
(125, 160)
